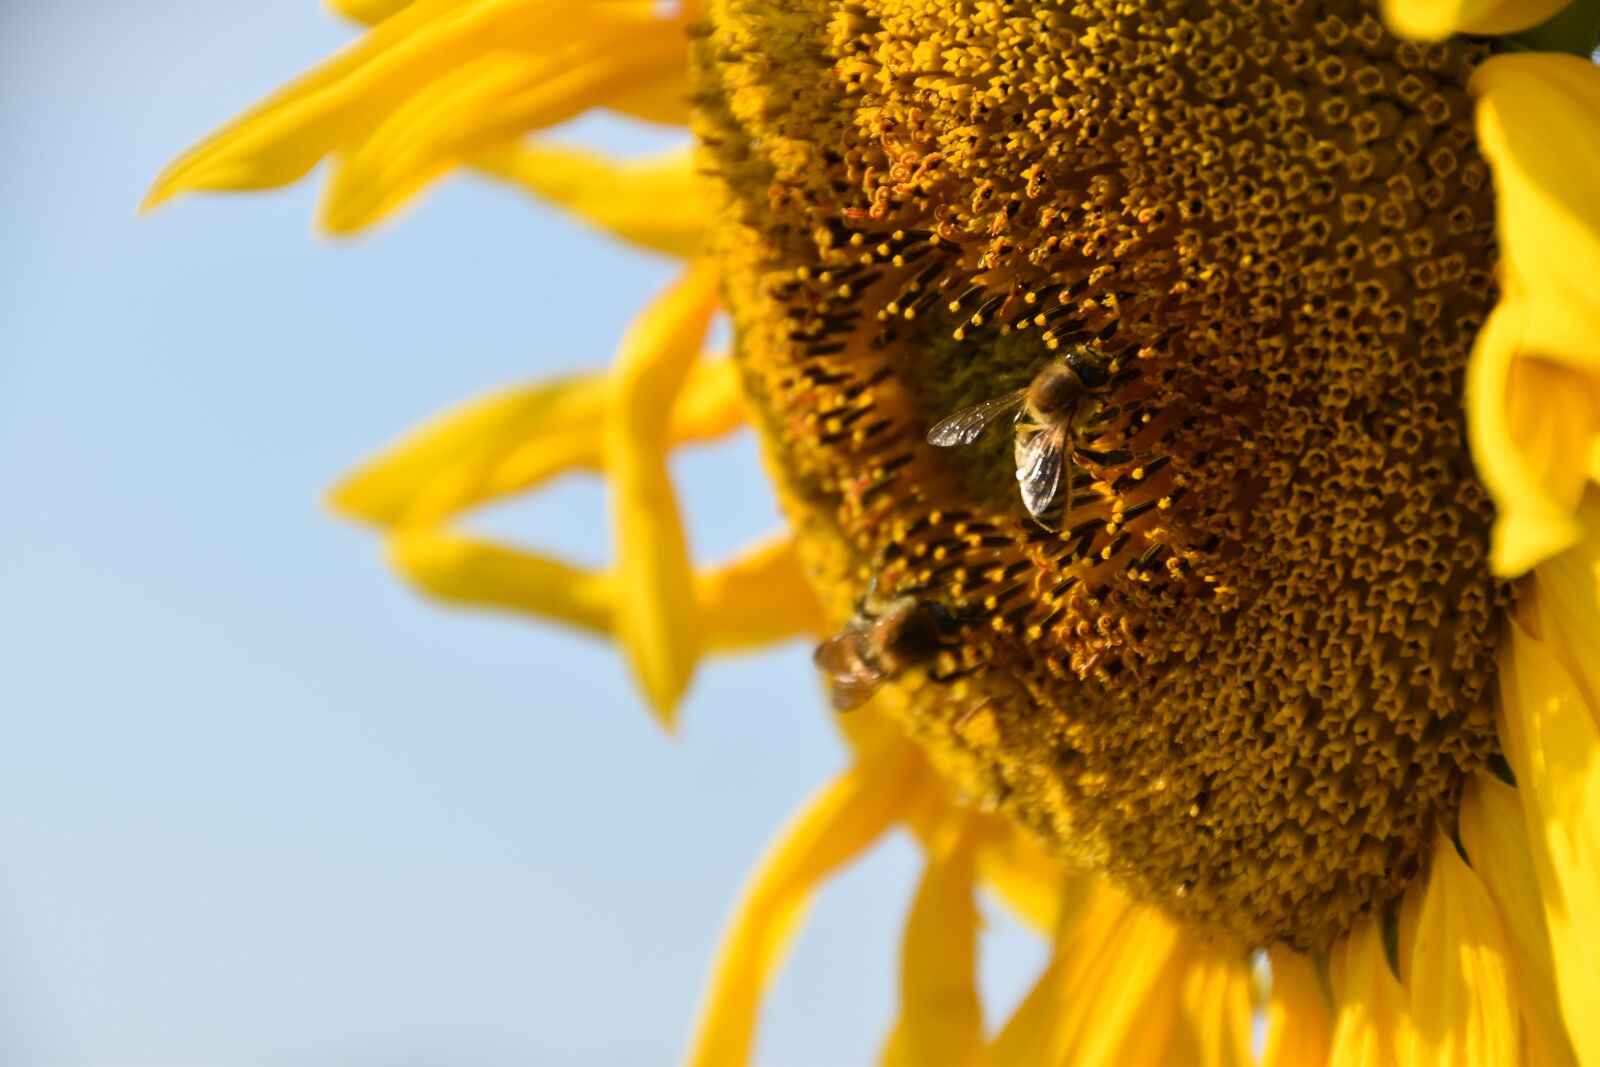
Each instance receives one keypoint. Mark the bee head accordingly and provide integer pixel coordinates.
(1089, 365)
(1055, 391)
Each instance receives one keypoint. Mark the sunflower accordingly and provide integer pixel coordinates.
(1274, 695)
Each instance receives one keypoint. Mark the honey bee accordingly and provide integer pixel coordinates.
(881, 642)
(1050, 412)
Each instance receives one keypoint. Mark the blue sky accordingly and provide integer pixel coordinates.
(258, 802)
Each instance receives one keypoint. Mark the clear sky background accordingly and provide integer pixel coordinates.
(259, 804)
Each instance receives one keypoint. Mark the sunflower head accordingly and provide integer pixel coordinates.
(1231, 642)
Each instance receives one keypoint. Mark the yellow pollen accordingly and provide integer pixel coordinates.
(1245, 672)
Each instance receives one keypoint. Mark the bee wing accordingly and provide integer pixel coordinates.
(964, 426)
(1039, 467)
(849, 691)
(839, 655)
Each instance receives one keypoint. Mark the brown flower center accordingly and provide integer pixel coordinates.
(1239, 658)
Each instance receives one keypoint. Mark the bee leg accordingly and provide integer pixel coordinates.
(1115, 457)
(969, 711)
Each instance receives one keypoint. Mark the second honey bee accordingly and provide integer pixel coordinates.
(1050, 412)
(880, 643)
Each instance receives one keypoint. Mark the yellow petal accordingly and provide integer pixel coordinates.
(656, 621)
(1566, 610)
(1434, 20)
(279, 140)
(433, 84)
(759, 598)
(655, 203)
(1371, 1011)
(1214, 997)
(466, 571)
(1550, 735)
(665, 102)
(1121, 998)
(1297, 1013)
(837, 825)
(491, 447)
(366, 12)
(1025, 877)
(1113, 993)
(1525, 431)
(1538, 119)
(1030, 1035)
(1496, 840)
(1461, 996)
(941, 1019)
(492, 100)
(515, 439)
(1534, 403)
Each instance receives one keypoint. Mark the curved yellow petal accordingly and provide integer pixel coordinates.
(279, 140)
(494, 99)
(515, 439)
(1534, 387)
(655, 203)
(1547, 723)
(759, 598)
(432, 84)
(656, 621)
(1461, 996)
(742, 601)
(1297, 1013)
(490, 447)
(1496, 840)
(1538, 118)
(837, 825)
(1434, 20)
(1527, 429)
(467, 571)
(941, 1019)
(1371, 1014)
